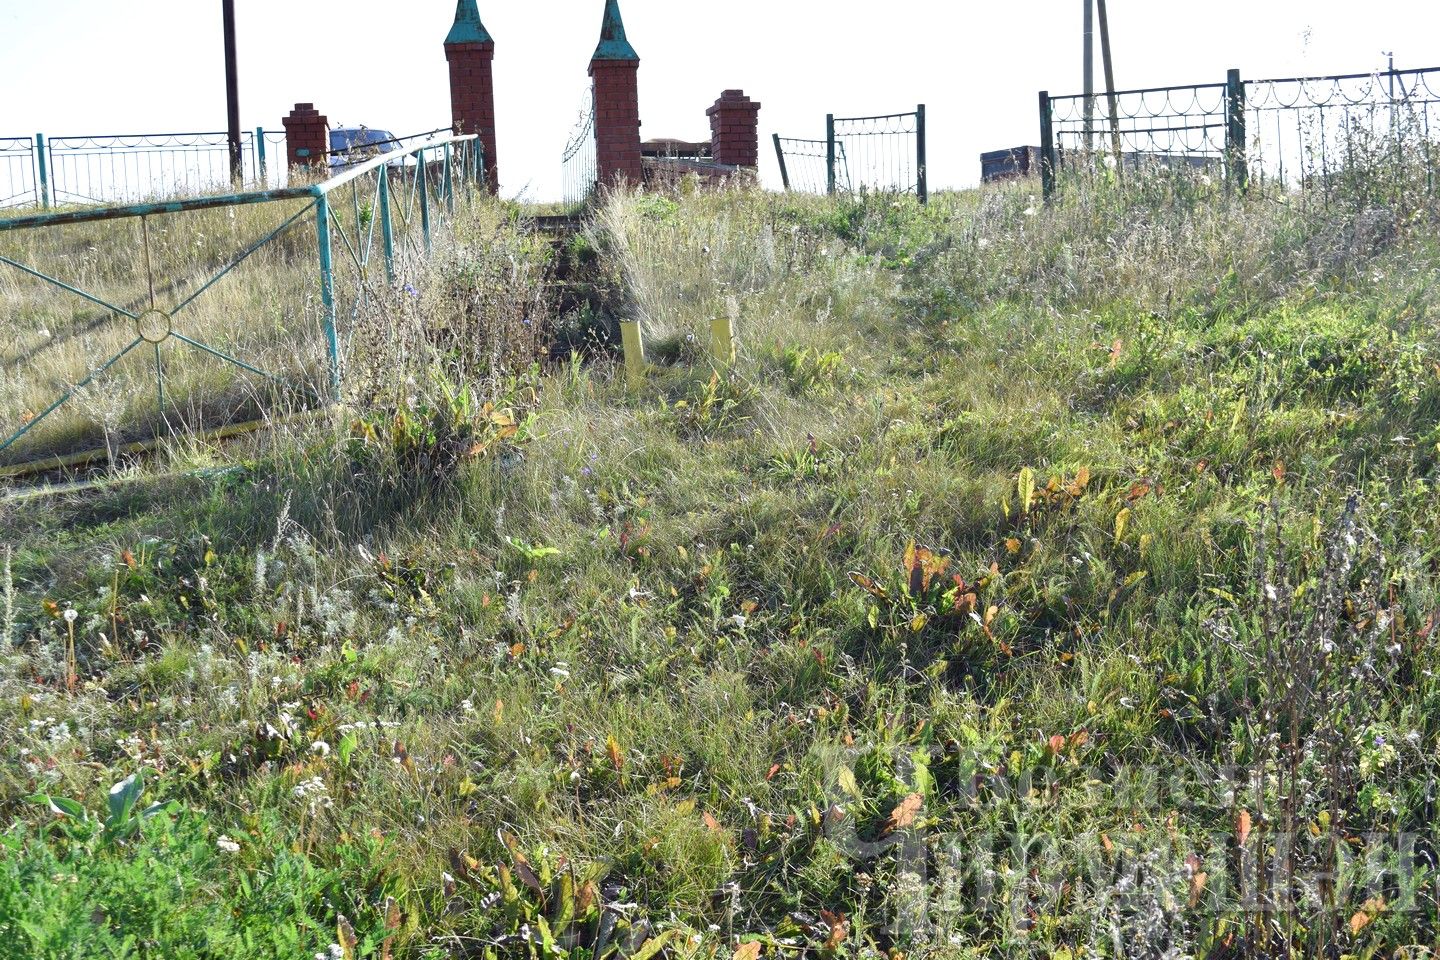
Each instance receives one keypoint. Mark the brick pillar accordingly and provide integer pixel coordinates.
(307, 137)
(617, 120)
(615, 69)
(735, 130)
(470, 51)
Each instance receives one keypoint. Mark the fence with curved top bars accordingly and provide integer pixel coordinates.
(1294, 131)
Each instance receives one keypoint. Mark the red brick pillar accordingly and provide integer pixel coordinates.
(735, 130)
(307, 137)
(615, 69)
(470, 51)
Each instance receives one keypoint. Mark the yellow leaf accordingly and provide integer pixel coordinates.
(612, 748)
(1012, 545)
(918, 623)
(1242, 826)
(1026, 487)
(345, 936)
(1197, 886)
(747, 951)
(845, 777)
(904, 814)
(1122, 520)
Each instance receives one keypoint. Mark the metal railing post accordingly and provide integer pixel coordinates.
(1047, 148)
(1237, 167)
(327, 291)
(922, 185)
(780, 156)
(260, 174)
(424, 185)
(830, 154)
(449, 184)
(42, 171)
(387, 231)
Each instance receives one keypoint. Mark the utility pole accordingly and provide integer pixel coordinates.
(232, 96)
(1110, 86)
(1089, 76)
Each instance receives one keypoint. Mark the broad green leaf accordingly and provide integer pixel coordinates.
(123, 797)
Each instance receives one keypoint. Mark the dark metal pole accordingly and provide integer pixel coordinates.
(1236, 133)
(780, 156)
(1047, 148)
(830, 154)
(923, 181)
(232, 95)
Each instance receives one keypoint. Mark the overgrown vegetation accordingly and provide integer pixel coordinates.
(1038, 582)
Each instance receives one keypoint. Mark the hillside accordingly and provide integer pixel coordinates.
(1039, 581)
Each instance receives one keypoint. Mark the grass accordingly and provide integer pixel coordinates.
(1035, 577)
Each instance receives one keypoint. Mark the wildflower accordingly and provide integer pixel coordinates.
(560, 672)
(410, 289)
(1030, 211)
(320, 748)
(71, 614)
(227, 845)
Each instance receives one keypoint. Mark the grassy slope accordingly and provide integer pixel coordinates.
(633, 643)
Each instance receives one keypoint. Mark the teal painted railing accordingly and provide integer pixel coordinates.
(381, 209)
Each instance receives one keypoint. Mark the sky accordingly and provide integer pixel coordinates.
(139, 66)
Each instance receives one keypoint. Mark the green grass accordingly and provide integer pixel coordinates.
(1009, 572)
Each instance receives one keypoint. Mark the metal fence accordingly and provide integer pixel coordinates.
(882, 154)
(805, 165)
(129, 323)
(49, 171)
(17, 172)
(1297, 131)
(580, 160)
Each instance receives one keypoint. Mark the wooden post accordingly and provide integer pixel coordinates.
(634, 346)
(1115, 143)
(722, 340)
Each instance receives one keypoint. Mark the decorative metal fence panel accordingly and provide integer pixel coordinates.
(805, 165)
(1299, 131)
(580, 160)
(1166, 125)
(1306, 131)
(132, 323)
(18, 185)
(883, 154)
(126, 168)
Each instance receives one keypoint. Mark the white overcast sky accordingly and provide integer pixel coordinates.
(129, 66)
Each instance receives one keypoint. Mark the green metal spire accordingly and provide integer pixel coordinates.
(613, 45)
(468, 28)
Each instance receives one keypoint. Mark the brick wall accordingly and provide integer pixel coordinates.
(617, 120)
(472, 98)
(735, 129)
(307, 137)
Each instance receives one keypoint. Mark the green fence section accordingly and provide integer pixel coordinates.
(1295, 131)
(134, 322)
(880, 154)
